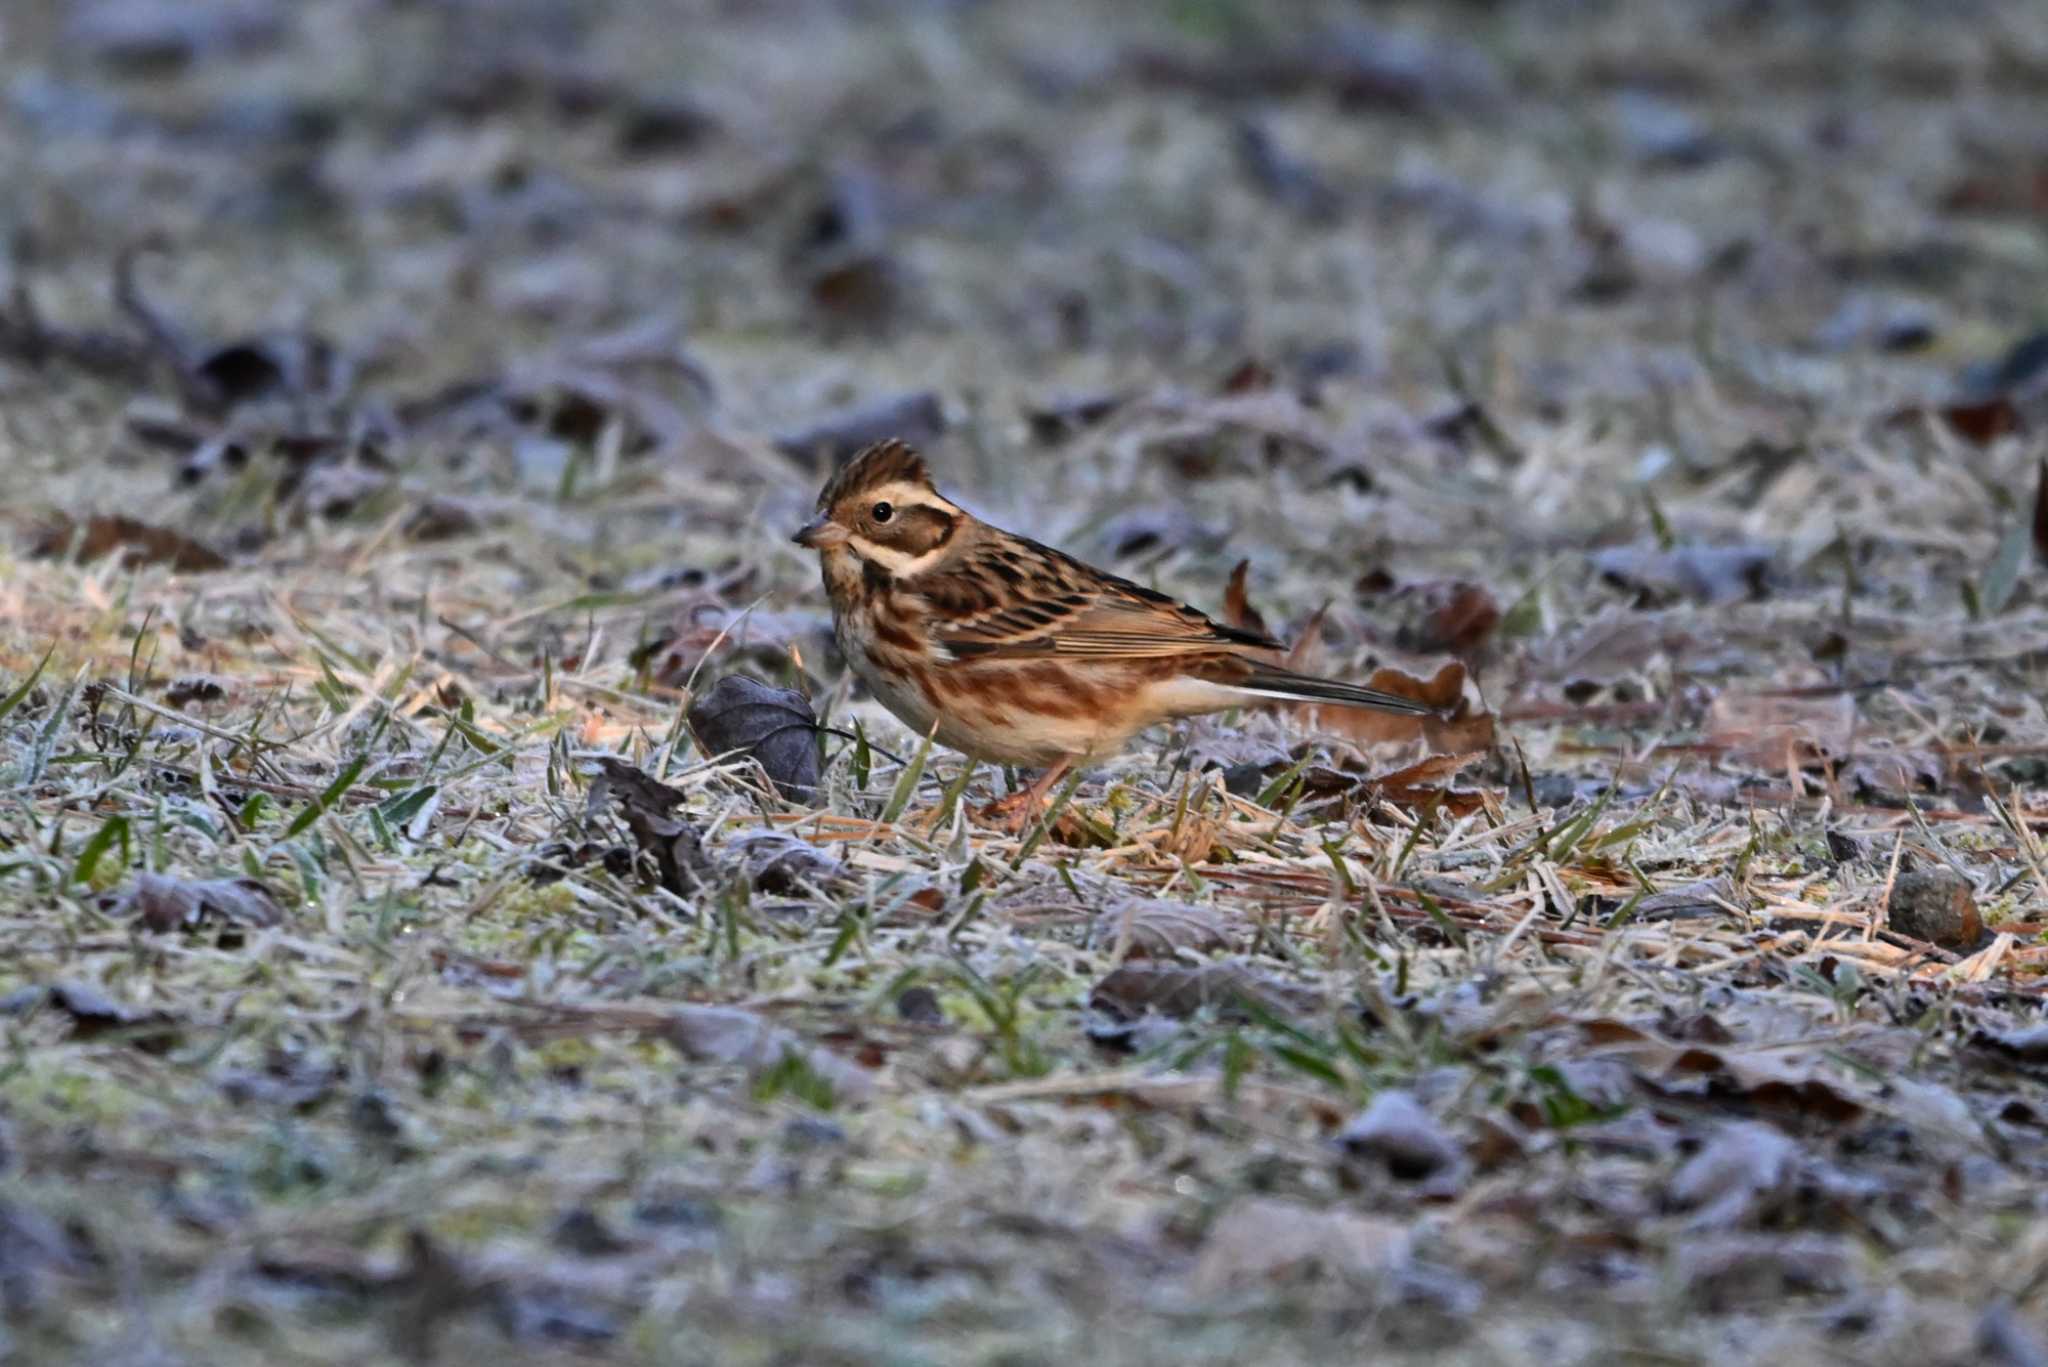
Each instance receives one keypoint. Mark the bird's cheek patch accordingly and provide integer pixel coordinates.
(918, 531)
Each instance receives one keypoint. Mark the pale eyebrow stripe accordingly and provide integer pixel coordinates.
(903, 496)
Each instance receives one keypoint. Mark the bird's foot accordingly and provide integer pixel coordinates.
(1016, 812)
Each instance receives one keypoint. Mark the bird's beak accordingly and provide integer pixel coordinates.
(820, 533)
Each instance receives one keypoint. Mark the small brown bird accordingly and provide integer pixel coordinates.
(1012, 651)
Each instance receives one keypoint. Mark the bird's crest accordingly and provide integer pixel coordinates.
(885, 462)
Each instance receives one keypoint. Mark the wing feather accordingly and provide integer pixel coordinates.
(1011, 599)
(1054, 605)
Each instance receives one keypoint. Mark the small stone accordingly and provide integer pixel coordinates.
(1935, 905)
(1245, 780)
(920, 1006)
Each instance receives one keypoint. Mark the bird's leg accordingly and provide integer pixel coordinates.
(1016, 811)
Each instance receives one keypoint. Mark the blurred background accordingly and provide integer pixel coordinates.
(454, 372)
(1375, 292)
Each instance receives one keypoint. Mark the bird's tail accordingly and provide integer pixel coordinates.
(1271, 681)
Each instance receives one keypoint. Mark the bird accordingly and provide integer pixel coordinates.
(1013, 652)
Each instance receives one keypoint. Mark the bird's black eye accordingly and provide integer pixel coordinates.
(883, 512)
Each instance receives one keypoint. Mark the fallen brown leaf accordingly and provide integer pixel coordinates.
(1158, 928)
(139, 543)
(1455, 729)
(1237, 609)
(1425, 784)
(163, 903)
(865, 293)
(1977, 421)
(2020, 191)
(1766, 1080)
(1443, 617)
(1984, 422)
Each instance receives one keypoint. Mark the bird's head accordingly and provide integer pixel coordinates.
(881, 508)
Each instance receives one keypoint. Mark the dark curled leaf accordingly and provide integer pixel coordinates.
(675, 843)
(783, 865)
(742, 715)
(162, 903)
(2028, 1046)
(634, 790)
(1231, 989)
(1397, 1134)
(93, 1014)
(441, 518)
(584, 1232)
(142, 39)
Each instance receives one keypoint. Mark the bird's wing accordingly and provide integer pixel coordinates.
(1020, 600)
(1016, 600)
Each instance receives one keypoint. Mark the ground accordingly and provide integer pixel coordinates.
(403, 411)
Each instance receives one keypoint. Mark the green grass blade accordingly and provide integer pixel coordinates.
(20, 695)
(907, 781)
(343, 781)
